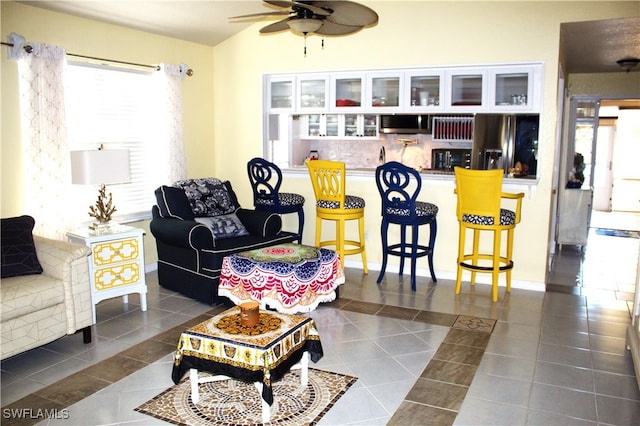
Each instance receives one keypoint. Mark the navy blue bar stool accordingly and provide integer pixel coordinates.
(399, 187)
(266, 178)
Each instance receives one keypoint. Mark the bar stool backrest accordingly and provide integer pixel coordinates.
(399, 186)
(479, 193)
(265, 178)
(328, 179)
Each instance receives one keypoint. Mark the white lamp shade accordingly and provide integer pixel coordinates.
(100, 166)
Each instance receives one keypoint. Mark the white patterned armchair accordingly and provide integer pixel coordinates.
(40, 308)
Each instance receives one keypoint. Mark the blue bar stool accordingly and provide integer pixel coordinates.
(399, 187)
(266, 179)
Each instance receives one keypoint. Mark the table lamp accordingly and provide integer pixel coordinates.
(100, 167)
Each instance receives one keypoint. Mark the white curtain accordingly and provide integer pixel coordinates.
(171, 164)
(46, 170)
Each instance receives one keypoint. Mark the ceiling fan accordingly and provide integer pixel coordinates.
(331, 18)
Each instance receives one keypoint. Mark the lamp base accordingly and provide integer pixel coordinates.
(98, 228)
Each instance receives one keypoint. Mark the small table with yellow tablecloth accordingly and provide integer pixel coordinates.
(259, 354)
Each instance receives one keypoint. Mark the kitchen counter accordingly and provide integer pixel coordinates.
(366, 173)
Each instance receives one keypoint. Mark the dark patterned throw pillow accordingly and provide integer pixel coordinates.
(208, 196)
(18, 249)
(224, 226)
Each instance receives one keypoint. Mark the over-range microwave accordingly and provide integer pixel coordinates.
(405, 123)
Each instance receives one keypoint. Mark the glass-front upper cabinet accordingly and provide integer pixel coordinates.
(280, 93)
(513, 88)
(347, 92)
(322, 125)
(467, 89)
(360, 125)
(313, 93)
(423, 90)
(384, 92)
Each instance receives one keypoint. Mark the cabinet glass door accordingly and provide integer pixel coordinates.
(385, 92)
(281, 94)
(370, 125)
(313, 94)
(512, 89)
(348, 92)
(425, 90)
(466, 89)
(331, 125)
(360, 125)
(313, 124)
(351, 125)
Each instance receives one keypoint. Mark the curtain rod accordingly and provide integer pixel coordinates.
(29, 49)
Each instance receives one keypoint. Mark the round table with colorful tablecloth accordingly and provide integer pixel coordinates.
(289, 278)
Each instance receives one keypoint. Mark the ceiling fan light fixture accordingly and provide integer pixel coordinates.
(628, 63)
(305, 25)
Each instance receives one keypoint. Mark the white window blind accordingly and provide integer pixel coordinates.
(111, 107)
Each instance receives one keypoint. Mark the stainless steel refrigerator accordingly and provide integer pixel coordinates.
(501, 140)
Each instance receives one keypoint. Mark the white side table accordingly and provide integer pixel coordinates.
(116, 263)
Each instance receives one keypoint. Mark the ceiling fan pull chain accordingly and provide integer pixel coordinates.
(305, 45)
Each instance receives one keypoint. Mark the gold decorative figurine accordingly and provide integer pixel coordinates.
(102, 210)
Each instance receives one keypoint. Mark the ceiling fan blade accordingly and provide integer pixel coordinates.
(348, 13)
(316, 10)
(252, 15)
(330, 28)
(275, 27)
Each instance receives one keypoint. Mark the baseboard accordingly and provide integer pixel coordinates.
(449, 275)
(151, 267)
(633, 344)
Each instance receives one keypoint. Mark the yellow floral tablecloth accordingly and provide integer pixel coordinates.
(265, 352)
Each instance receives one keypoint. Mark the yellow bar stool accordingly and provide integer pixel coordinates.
(480, 209)
(329, 185)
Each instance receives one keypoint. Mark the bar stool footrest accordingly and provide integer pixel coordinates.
(396, 250)
(480, 268)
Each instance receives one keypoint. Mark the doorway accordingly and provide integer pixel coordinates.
(616, 175)
(611, 217)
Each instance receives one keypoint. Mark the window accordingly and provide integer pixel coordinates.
(112, 107)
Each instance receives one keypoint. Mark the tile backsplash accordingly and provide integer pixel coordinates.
(365, 153)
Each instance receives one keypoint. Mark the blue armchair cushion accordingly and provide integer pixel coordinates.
(173, 203)
(18, 249)
(209, 196)
(224, 226)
